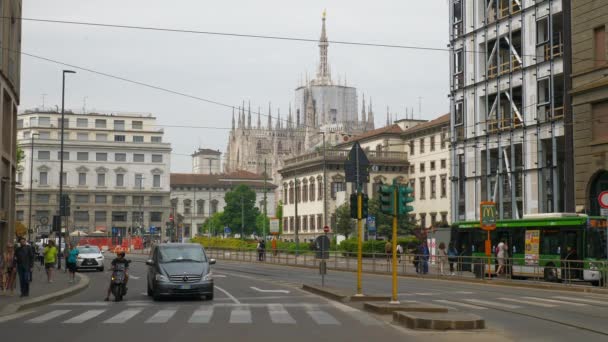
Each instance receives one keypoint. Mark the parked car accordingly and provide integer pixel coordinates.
(179, 269)
(89, 257)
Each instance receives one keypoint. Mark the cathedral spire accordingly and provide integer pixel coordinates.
(310, 111)
(269, 117)
(387, 119)
(233, 118)
(259, 118)
(370, 116)
(363, 117)
(290, 118)
(323, 74)
(240, 118)
(249, 115)
(278, 126)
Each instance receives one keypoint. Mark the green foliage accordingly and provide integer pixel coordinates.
(240, 209)
(345, 224)
(279, 215)
(228, 243)
(213, 225)
(20, 157)
(262, 224)
(370, 247)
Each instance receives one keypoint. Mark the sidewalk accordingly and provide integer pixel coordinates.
(38, 287)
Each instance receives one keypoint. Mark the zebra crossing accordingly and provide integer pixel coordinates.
(238, 314)
(513, 303)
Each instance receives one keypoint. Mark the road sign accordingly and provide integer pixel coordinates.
(322, 247)
(152, 229)
(603, 199)
(227, 230)
(371, 224)
(356, 166)
(326, 229)
(487, 215)
(274, 226)
(604, 211)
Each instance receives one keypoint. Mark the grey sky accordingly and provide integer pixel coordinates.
(230, 69)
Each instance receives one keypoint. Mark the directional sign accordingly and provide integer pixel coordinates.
(274, 226)
(356, 166)
(227, 230)
(487, 215)
(603, 199)
(371, 224)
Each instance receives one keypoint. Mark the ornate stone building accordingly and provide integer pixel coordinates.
(321, 105)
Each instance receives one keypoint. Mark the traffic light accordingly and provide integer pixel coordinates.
(353, 206)
(404, 198)
(364, 207)
(387, 199)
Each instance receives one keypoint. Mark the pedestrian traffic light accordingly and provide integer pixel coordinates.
(353, 206)
(387, 199)
(405, 197)
(364, 207)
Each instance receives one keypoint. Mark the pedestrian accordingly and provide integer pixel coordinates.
(41, 254)
(274, 246)
(425, 253)
(259, 250)
(10, 269)
(263, 247)
(50, 259)
(500, 256)
(388, 249)
(24, 257)
(443, 258)
(71, 263)
(452, 257)
(399, 252)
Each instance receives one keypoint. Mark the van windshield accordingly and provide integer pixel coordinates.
(182, 254)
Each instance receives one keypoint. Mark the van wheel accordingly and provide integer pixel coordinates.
(550, 274)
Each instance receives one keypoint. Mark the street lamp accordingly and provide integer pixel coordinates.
(324, 180)
(61, 158)
(29, 224)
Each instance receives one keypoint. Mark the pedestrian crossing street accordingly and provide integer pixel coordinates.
(237, 314)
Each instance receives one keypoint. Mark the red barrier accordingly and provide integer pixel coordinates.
(136, 242)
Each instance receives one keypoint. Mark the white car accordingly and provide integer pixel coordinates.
(89, 257)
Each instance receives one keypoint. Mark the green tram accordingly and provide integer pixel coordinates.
(539, 245)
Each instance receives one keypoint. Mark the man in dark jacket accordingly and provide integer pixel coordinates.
(24, 255)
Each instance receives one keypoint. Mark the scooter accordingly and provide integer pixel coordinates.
(119, 289)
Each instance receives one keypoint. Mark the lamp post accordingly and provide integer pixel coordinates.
(29, 224)
(61, 159)
(324, 181)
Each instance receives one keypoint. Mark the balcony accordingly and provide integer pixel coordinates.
(340, 155)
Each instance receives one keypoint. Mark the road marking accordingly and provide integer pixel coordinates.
(133, 277)
(219, 275)
(493, 304)
(322, 317)
(464, 292)
(556, 301)
(162, 316)
(521, 301)
(202, 315)
(464, 305)
(279, 315)
(240, 316)
(14, 316)
(82, 304)
(590, 301)
(85, 316)
(424, 293)
(236, 301)
(48, 316)
(268, 291)
(123, 317)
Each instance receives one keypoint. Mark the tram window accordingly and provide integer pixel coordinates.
(519, 241)
(572, 239)
(549, 242)
(596, 244)
(479, 241)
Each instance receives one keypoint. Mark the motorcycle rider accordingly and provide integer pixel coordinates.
(120, 259)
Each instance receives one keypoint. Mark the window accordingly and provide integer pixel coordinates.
(82, 178)
(412, 150)
(79, 198)
(101, 199)
(120, 157)
(139, 179)
(100, 123)
(120, 179)
(423, 220)
(158, 200)
(43, 178)
(421, 145)
(156, 181)
(119, 216)
(101, 179)
(432, 143)
(44, 121)
(101, 137)
(444, 218)
(64, 178)
(157, 139)
(422, 188)
(82, 216)
(443, 163)
(119, 138)
(156, 216)
(66, 123)
(45, 135)
(444, 137)
(20, 177)
(320, 190)
(119, 199)
(20, 123)
(337, 187)
(42, 198)
(138, 138)
(200, 206)
(458, 69)
(433, 166)
(100, 216)
(138, 158)
(433, 219)
(20, 215)
(311, 189)
(458, 114)
(412, 168)
(137, 124)
(422, 167)
(82, 123)
(157, 158)
(599, 45)
(19, 198)
(444, 186)
(138, 200)
(599, 117)
(433, 187)
(26, 135)
(319, 221)
(82, 136)
(213, 207)
(44, 155)
(66, 155)
(66, 136)
(119, 125)
(101, 156)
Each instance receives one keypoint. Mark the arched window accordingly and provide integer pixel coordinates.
(214, 204)
(311, 190)
(259, 147)
(305, 191)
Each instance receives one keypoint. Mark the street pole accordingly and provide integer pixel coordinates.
(242, 218)
(61, 161)
(265, 199)
(297, 219)
(324, 180)
(394, 299)
(359, 231)
(29, 224)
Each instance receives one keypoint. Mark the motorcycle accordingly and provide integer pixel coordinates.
(119, 289)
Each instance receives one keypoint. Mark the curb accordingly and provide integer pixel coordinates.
(430, 321)
(82, 284)
(341, 295)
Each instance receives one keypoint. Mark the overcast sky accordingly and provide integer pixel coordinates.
(231, 69)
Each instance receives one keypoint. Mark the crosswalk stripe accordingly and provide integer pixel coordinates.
(493, 304)
(590, 301)
(464, 305)
(556, 301)
(322, 317)
(240, 316)
(202, 315)
(162, 316)
(279, 315)
(85, 316)
(521, 301)
(48, 316)
(425, 293)
(123, 316)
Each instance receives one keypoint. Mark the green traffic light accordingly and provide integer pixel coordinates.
(405, 196)
(387, 200)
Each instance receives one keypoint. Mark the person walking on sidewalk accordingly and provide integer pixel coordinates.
(50, 259)
(71, 263)
(452, 257)
(9, 269)
(443, 258)
(388, 249)
(399, 252)
(24, 256)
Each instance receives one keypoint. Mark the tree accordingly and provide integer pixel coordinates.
(279, 215)
(20, 158)
(262, 224)
(234, 211)
(213, 225)
(345, 224)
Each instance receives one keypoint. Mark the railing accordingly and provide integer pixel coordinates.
(566, 272)
(495, 70)
(343, 154)
(503, 124)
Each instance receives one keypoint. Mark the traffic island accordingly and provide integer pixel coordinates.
(341, 295)
(388, 308)
(439, 321)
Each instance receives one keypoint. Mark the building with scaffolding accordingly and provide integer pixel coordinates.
(511, 141)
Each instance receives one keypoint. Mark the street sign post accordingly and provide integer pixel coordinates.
(603, 199)
(487, 222)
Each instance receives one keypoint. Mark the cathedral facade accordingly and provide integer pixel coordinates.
(320, 106)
